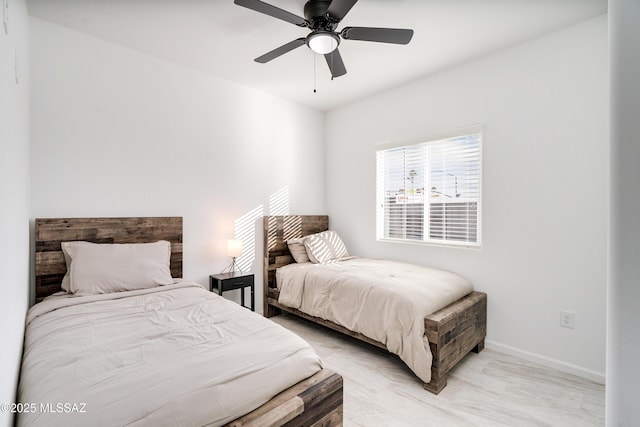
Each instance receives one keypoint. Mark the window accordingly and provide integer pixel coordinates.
(431, 191)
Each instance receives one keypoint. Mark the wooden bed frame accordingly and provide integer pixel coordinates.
(315, 401)
(452, 332)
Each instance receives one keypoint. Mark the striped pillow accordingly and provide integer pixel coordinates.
(325, 247)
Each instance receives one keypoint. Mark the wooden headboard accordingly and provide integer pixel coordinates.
(50, 232)
(279, 229)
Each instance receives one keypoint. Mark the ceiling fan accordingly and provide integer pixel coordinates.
(322, 18)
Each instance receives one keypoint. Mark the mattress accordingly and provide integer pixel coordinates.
(383, 300)
(174, 355)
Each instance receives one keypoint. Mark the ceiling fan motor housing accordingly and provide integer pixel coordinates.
(315, 11)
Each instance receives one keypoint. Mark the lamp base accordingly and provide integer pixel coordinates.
(231, 268)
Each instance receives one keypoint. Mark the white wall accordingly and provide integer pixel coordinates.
(119, 133)
(543, 106)
(14, 197)
(623, 345)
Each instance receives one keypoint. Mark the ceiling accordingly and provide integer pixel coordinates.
(222, 39)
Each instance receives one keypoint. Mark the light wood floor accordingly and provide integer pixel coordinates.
(486, 389)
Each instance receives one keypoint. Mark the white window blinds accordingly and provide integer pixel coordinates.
(431, 191)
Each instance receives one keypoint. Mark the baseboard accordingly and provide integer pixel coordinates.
(598, 377)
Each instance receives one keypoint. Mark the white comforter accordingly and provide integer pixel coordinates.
(175, 355)
(384, 300)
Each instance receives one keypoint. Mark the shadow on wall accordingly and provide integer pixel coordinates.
(245, 227)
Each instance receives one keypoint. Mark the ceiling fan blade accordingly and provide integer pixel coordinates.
(280, 50)
(382, 35)
(276, 12)
(339, 8)
(335, 63)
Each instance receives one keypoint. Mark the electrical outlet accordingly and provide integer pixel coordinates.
(567, 319)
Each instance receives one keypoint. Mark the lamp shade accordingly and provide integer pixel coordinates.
(234, 248)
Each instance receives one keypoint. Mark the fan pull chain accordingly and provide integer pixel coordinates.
(332, 67)
(314, 73)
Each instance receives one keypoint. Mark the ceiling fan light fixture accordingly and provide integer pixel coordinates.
(323, 42)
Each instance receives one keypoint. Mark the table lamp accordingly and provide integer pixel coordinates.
(234, 250)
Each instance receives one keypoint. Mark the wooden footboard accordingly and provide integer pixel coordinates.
(316, 401)
(452, 332)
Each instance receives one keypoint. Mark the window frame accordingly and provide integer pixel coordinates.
(379, 192)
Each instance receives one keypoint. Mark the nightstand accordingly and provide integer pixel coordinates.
(229, 281)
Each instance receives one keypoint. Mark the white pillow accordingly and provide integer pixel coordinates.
(298, 250)
(324, 247)
(104, 268)
(66, 280)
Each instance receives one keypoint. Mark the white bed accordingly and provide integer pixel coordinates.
(170, 355)
(430, 318)
(385, 301)
(116, 340)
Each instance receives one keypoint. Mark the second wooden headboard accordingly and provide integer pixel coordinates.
(50, 232)
(279, 229)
